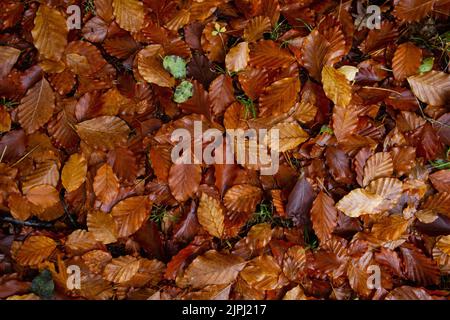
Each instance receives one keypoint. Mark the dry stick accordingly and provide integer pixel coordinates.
(3, 153)
(382, 89)
(25, 155)
(36, 224)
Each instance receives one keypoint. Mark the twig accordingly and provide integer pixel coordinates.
(36, 224)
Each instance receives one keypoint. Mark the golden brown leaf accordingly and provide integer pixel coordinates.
(35, 249)
(377, 166)
(106, 184)
(255, 28)
(103, 132)
(102, 226)
(130, 214)
(121, 269)
(242, 198)
(129, 14)
(406, 61)
(184, 180)
(36, 108)
(213, 268)
(211, 216)
(74, 172)
(263, 273)
(279, 97)
(237, 58)
(150, 66)
(336, 86)
(290, 136)
(49, 33)
(323, 216)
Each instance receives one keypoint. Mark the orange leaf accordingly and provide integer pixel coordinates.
(74, 172)
(242, 198)
(210, 215)
(102, 226)
(130, 214)
(34, 250)
(106, 184)
(255, 28)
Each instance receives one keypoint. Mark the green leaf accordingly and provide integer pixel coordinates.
(183, 92)
(175, 65)
(427, 65)
(43, 285)
(326, 129)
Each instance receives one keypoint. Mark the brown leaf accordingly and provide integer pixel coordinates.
(377, 166)
(121, 269)
(406, 61)
(237, 58)
(323, 216)
(418, 267)
(129, 14)
(242, 198)
(36, 108)
(279, 97)
(184, 180)
(213, 268)
(255, 28)
(150, 66)
(267, 54)
(106, 184)
(103, 132)
(130, 214)
(441, 180)
(263, 273)
(221, 93)
(412, 10)
(102, 226)
(432, 87)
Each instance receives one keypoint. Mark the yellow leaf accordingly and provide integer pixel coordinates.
(444, 244)
(336, 86)
(74, 172)
(49, 33)
(129, 14)
(210, 215)
(290, 136)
